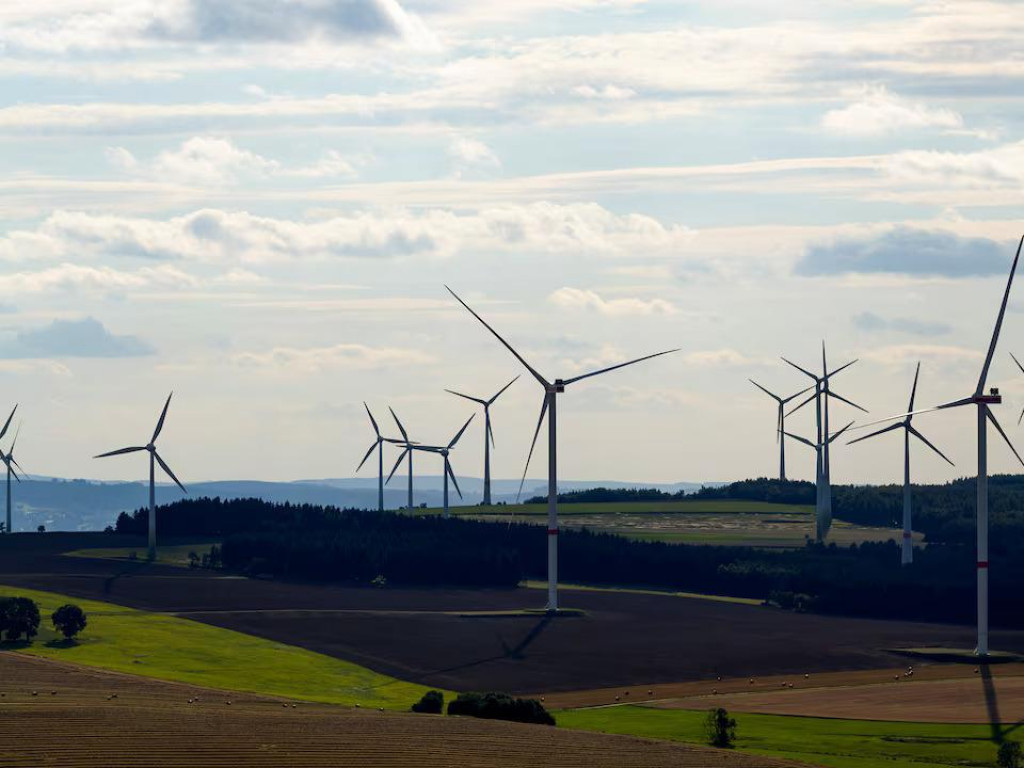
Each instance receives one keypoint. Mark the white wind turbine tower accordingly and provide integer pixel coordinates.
(8, 459)
(551, 391)
(907, 552)
(982, 401)
(780, 426)
(488, 434)
(378, 445)
(154, 458)
(823, 518)
(822, 393)
(407, 451)
(443, 450)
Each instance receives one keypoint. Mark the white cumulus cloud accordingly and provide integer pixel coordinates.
(577, 298)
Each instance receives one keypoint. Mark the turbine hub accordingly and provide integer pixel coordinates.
(559, 386)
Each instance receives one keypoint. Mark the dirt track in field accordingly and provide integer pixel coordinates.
(98, 720)
(416, 635)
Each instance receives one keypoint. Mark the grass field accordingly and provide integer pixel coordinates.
(737, 523)
(172, 648)
(819, 741)
(176, 554)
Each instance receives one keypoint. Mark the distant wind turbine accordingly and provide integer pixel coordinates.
(907, 552)
(378, 445)
(8, 459)
(488, 434)
(982, 402)
(780, 425)
(407, 451)
(823, 522)
(443, 450)
(551, 390)
(153, 457)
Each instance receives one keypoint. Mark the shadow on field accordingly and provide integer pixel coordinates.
(508, 652)
(999, 732)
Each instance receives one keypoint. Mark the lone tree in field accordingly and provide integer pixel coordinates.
(19, 617)
(1009, 755)
(69, 620)
(719, 728)
(432, 703)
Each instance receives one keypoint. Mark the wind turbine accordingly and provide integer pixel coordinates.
(823, 521)
(8, 459)
(407, 450)
(443, 450)
(154, 458)
(982, 401)
(780, 426)
(551, 391)
(378, 445)
(907, 553)
(822, 393)
(488, 434)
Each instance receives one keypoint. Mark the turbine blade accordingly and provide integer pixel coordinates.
(400, 427)
(163, 465)
(778, 423)
(772, 395)
(835, 435)
(160, 423)
(490, 433)
(14, 442)
(999, 323)
(543, 411)
(890, 428)
(944, 406)
(507, 346)
(802, 370)
(995, 423)
(368, 454)
(372, 420)
(803, 440)
(805, 402)
(848, 402)
(459, 433)
(1017, 362)
(925, 440)
(794, 397)
(15, 474)
(913, 391)
(840, 369)
(500, 391)
(620, 365)
(18, 466)
(119, 451)
(448, 469)
(8, 422)
(459, 394)
(397, 464)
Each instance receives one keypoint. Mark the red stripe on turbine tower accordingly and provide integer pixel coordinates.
(552, 531)
(983, 564)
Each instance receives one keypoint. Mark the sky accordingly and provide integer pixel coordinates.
(257, 205)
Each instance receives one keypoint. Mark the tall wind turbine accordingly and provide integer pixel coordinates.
(551, 391)
(488, 434)
(154, 458)
(780, 426)
(378, 445)
(406, 451)
(8, 460)
(907, 553)
(982, 402)
(822, 521)
(822, 393)
(443, 450)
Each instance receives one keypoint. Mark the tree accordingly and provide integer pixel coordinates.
(432, 703)
(719, 728)
(19, 616)
(69, 620)
(41, 529)
(1009, 755)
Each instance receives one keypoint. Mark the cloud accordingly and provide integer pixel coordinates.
(471, 156)
(340, 356)
(872, 323)
(716, 357)
(78, 278)
(997, 167)
(878, 112)
(903, 355)
(579, 299)
(72, 338)
(903, 250)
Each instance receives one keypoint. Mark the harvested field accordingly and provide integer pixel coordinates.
(89, 719)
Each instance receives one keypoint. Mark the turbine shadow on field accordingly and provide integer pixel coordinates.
(999, 732)
(508, 652)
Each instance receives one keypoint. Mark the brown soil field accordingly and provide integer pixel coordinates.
(59, 715)
(417, 635)
(953, 693)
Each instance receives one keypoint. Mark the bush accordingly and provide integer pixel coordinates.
(719, 728)
(69, 620)
(1009, 755)
(432, 703)
(19, 617)
(500, 706)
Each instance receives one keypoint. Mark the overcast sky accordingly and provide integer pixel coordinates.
(257, 204)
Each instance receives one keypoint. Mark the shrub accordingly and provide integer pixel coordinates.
(1009, 755)
(19, 616)
(719, 728)
(432, 703)
(500, 706)
(69, 620)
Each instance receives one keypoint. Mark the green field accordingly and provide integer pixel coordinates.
(819, 741)
(736, 523)
(172, 648)
(176, 554)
